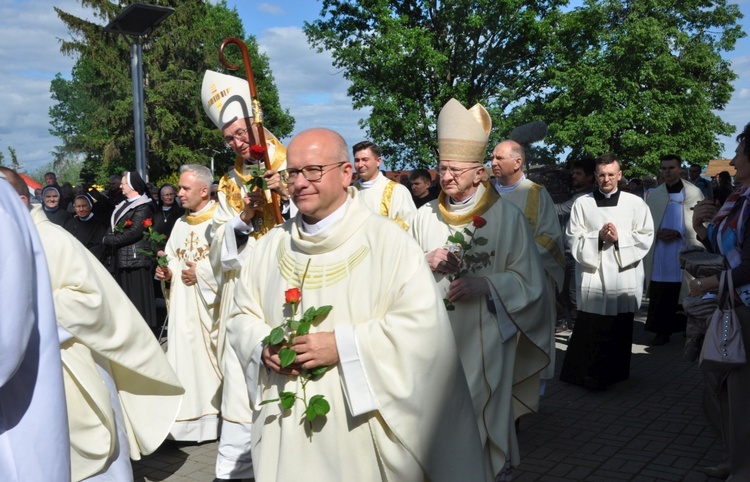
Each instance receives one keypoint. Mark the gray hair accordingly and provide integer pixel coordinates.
(200, 172)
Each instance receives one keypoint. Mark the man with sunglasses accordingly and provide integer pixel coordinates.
(497, 312)
(399, 403)
(245, 213)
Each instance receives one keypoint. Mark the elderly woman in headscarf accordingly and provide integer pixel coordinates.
(131, 267)
(86, 227)
(51, 203)
(168, 210)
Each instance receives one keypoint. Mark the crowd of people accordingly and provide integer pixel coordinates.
(337, 330)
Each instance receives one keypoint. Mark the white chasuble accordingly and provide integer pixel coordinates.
(193, 327)
(503, 372)
(105, 329)
(539, 210)
(400, 407)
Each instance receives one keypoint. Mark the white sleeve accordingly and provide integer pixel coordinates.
(357, 390)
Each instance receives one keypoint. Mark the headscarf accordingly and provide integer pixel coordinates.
(86, 198)
(136, 182)
(48, 209)
(727, 228)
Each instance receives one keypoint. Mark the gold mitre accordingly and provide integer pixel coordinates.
(463, 133)
(225, 98)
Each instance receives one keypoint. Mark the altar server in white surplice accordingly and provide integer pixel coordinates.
(400, 408)
(609, 234)
(193, 309)
(245, 213)
(384, 196)
(33, 419)
(498, 317)
(121, 394)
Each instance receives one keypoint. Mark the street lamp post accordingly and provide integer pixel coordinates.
(138, 20)
(212, 153)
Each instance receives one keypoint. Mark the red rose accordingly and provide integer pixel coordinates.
(479, 222)
(293, 295)
(147, 223)
(128, 223)
(257, 151)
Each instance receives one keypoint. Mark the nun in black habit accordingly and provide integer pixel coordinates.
(87, 227)
(125, 239)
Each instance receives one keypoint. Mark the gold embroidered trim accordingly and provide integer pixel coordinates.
(318, 276)
(385, 200)
(488, 199)
(530, 213)
(202, 217)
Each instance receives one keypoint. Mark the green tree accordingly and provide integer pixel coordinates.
(639, 79)
(93, 115)
(406, 59)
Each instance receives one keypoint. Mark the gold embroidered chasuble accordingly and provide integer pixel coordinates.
(108, 333)
(376, 279)
(232, 188)
(193, 326)
(503, 352)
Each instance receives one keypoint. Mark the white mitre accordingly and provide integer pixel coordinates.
(225, 98)
(463, 133)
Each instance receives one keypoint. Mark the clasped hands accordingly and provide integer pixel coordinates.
(313, 350)
(608, 233)
(444, 261)
(188, 276)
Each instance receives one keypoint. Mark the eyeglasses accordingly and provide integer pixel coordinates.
(455, 173)
(239, 135)
(310, 173)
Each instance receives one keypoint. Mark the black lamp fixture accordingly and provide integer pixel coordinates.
(138, 20)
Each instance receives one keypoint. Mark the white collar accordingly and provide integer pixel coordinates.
(315, 229)
(510, 187)
(371, 182)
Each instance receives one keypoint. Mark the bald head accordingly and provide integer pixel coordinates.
(507, 162)
(321, 155)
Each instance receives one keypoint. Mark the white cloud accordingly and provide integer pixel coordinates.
(30, 56)
(270, 8)
(309, 86)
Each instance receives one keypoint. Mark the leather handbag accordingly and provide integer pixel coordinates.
(723, 347)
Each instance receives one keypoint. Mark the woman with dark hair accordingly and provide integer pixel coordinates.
(727, 397)
(86, 227)
(51, 202)
(132, 268)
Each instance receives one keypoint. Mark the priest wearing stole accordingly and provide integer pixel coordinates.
(499, 315)
(244, 214)
(193, 309)
(400, 408)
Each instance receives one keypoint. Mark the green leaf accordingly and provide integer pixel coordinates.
(323, 310)
(316, 372)
(269, 401)
(304, 328)
(294, 325)
(480, 241)
(466, 230)
(287, 357)
(287, 399)
(310, 413)
(276, 336)
(319, 405)
(309, 314)
(456, 238)
(163, 260)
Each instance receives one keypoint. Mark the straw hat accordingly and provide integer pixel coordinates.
(463, 133)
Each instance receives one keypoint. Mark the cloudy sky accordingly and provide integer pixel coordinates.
(313, 90)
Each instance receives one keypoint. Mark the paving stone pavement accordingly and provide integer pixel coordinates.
(648, 428)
